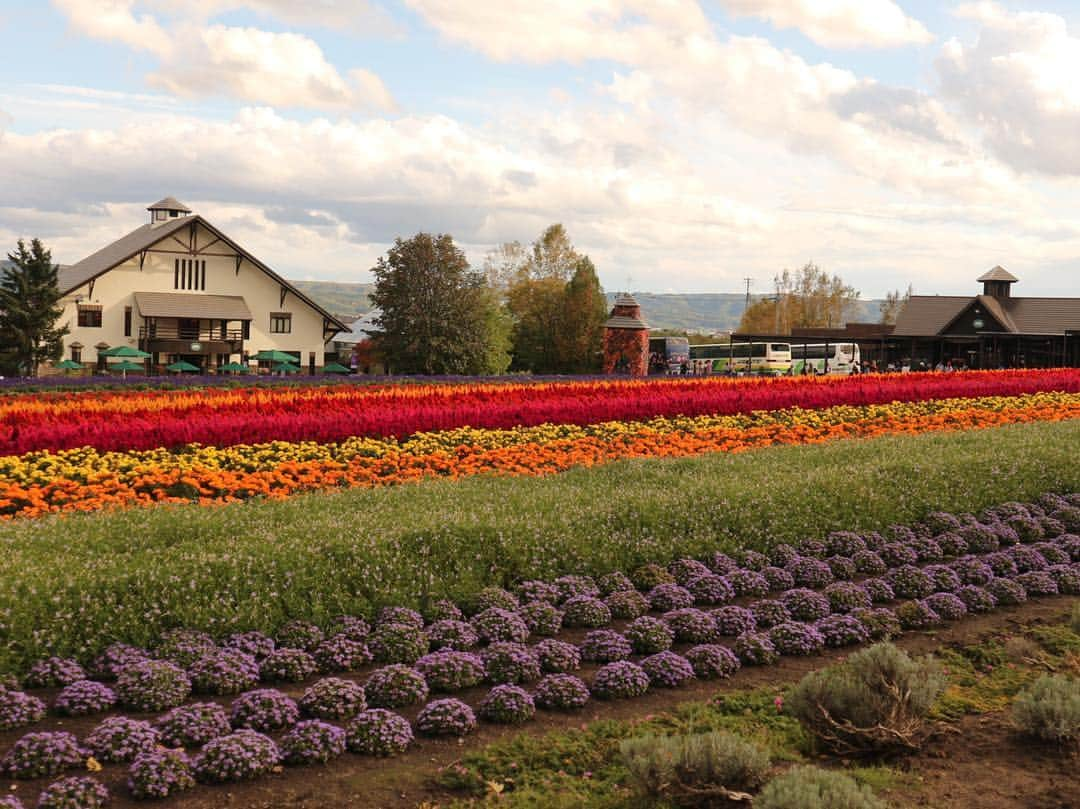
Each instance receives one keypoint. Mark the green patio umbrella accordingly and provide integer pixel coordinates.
(181, 367)
(235, 368)
(124, 366)
(288, 368)
(69, 365)
(126, 352)
(334, 368)
(274, 356)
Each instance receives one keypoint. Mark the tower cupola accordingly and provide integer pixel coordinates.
(166, 210)
(997, 283)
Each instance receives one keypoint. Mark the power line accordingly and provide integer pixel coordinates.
(749, 281)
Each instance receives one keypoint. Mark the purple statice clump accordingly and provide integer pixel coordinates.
(719, 562)
(543, 618)
(341, 653)
(1007, 592)
(874, 541)
(711, 661)
(405, 643)
(1068, 515)
(378, 732)
(879, 590)
(972, 570)
(845, 596)
(1027, 559)
(651, 575)
(927, 549)
(951, 544)
(614, 582)
(257, 644)
(781, 554)
(287, 666)
(748, 582)
(155, 685)
(489, 597)
(395, 686)
(449, 670)
(1066, 577)
(400, 615)
(561, 692)
(184, 646)
(1006, 536)
(895, 554)
(264, 710)
(620, 680)
(842, 568)
(976, 599)
(193, 725)
(778, 578)
(495, 625)
(810, 572)
(938, 522)
(115, 658)
(1002, 564)
(944, 577)
(450, 633)
(755, 649)
(119, 738)
(710, 589)
(881, 623)
(510, 663)
(627, 604)
(692, 625)
(507, 705)
(354, 627)
(54, 672)
(575, 586)
(18, 709)
(443, 609)
(537, 590)
(916, 615)
(733, 621)
(869, 563)
(649, 635)
(586, 611)
(796, 639)
(666, 597)
(557, 656)
(605, 646)
(901, 534)
(1070, 543)
(751, 560)
(299, 634)
(667, 670)
(909, 581)
(159, 774)
(842, 630)
(1028, 529)
(224, 671)
(844, 543)
(1037, 583)
(1052, 553)
(979, 538)
(806, 605)
(240, 756)
(686, 569)
(74, 791)
(37, 755)
(333, 698)
(814, 548)
(312, 742)
(769, 612)
(446, 717)
(947, 606)
(83, 698)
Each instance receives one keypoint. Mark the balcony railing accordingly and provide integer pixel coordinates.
(192, 333)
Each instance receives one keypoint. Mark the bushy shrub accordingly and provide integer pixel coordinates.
(614, 582)
(561, 692)
(36, 755)
(1027, 559)
(1066, 577)
(805, 605)
(947, 606)
(184, 646)
(751, 559)
(507, 705)
(755, 649)
(746, 583)
(879, 590)
(733, 621)
(881, 623)
(844, 543)
(869, 563)
(666, 597)
(710, 588)
(778, 578)
(896, 554)
(779, 554)
(927, 549)
(75, 791)
(536, 590)
(842, 630)
(796, 639)
(875, 701)
(712, 661)
(542, 618)
(627, 604)
(240, 756)
(938, 522)
(1038, 583)
(1006, 592)
(224, 671)
(341, 653)
(686, 569)
(450, 633)
(1049, 709)
(495, 625)
(18, 709)
(356, 628)
(651, 575)
(54, 672)
(443, 609)
(119, 738)
(193, 725)
(813, 547)
(114, 658)
(691, 625)
(976, 599)
(287, 666)
(842, 568)
(83, 698)
(400, 615)
(1027, 528)
(944, 578)
(916, 615)
(1051, 553)
(769, 612)
(649, 635)
(299, 634)
(574, 586)
(1001, 564)
(845, 596)
(448, 670)
(909, 581)
(256, 644)
(510, 663)
(814, 788)
(312, 742)
(406, 643)
(159, 774)
(489, 597)
(378, 732)
(557, 656)
(605, 646)
(395, 686)
(586, 611)
(263, 710)
(972, 570)
(979, 538)
(952, 544)
(667, 669)
(333, 698)
(446, 717)
(620, 680)
(155, 685)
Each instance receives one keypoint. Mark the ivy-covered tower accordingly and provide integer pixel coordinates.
(626, 338)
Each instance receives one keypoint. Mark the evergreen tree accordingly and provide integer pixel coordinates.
(29, 309)
(580, 337)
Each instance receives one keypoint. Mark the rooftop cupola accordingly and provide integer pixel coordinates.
(997, 282)
(166, 210)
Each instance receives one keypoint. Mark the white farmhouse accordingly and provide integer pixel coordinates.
(180, 289)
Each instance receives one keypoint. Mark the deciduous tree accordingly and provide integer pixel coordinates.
(29, 310)
(806, 298)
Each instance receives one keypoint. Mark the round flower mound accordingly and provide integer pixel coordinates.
(972, 570)
(649, 635)
(585, 611)
(869, 563)
(806, 605)
(10, 802)
(916, 615)
(508, 705)
(897, 554)
(184, 646)
(159, 774)
(536, 590)
(495, 625)
(796, 639)
(712, 661)
(75, 791)
(451, 633)
(909, 581)
(845, 596)
(844, 543)
(1052, 553)
(1006, 592)
(510, 663)
(155, 685)
(224, 671)
(627, 604)
(842, 630)
(489, 597)
(561, 692)
(558, 656)
(444, 609)
(446, 717)
(256, 644)
(782, 553)
(1027, 528)
(1069, 543)
(842, 568)
(121, 739)
(979, 538)
(605, 646)
(299, 635)
(36, 755)
(778, 578)
(952, 544)
(54, 672)
(1035, 583)
(333, 698)
(18, 709)
(947, 606)
(83, 698)
(667, 670)
(755, 649)
(747, 583)
(263, 710)
(575, 586)
(1002, 564)
(312, 742)
(976, 599)
(378, 732)
(341, 653)
(448, 670)
(542, 618)
(193, 725)
(651, 575)
(352, 626)
(733, 621)
(928, 550)
(944, 578)
(813, 547)
(401, 615)
(1027, 559)
(664, 597)
(1067, 578)
(395, 686)
(686, 569)
(879, 590)
(751, 560)
(620, 680)
(708, 588)
(115, 658)
(719, 562)
(240, 756)
(881, 623)
(614, 582)
(287, 666)
(691, 625)
(402, 643)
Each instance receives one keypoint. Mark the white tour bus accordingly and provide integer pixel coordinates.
(824, 358)
(740, 358)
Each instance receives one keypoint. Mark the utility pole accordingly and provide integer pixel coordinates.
(748, 281)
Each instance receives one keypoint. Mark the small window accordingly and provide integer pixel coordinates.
(245, 332)
(280, 323)
(76, 354)
(90, 317)
(189, 274)
(127, 321)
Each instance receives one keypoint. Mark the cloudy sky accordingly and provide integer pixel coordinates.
(685, 145)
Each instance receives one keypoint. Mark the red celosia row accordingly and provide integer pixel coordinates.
(120, 421)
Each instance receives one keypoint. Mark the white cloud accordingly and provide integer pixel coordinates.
(117, 20)
(838, 23)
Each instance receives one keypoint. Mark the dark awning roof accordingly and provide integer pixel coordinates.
(998, 273)
(179, 304)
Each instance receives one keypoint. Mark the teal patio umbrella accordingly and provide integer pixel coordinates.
(125, 365)
(69, 365)
(235, 368)
(274, 356)
(124, 352)
(182, 367)
(335, 368)
(288, 368)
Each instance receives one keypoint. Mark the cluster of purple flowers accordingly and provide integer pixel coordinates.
(795, 638)
(508, 705)
(263, 710)
(712, 661)
(378, 732)
(240, 756)
(159, 774)
(333, 698)
(605, 646)
(224, 671)
(650, 635)
(733, 621)
(341, 653)
(691, 625)
(627, 604)
(620, 680)
(312, 742)
(193, 724)
(18, 709)
(495, 625)
(446, 717)
(53, 672)
(585, 611)
(510, 663)
(452, 633)
(542, 618)
(667, 669)
(561, 692)
(398, 642)
(155, 685)
(842, 630)
(76, 790)
(557, 656)
(287, 665)
(395, 686)
(299, 635)
(447, 670)
(36, 755)
(119, 738)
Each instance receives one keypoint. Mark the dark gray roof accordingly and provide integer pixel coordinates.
(623, 322)
(169, 204)
(998, 273)
(924, 315)
(1044, 315)
(184, 304)
(929, 315)
(625, 299)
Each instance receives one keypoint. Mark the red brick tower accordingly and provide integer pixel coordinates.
(626, 339)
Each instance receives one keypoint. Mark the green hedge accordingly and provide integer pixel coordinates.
(71, 585)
